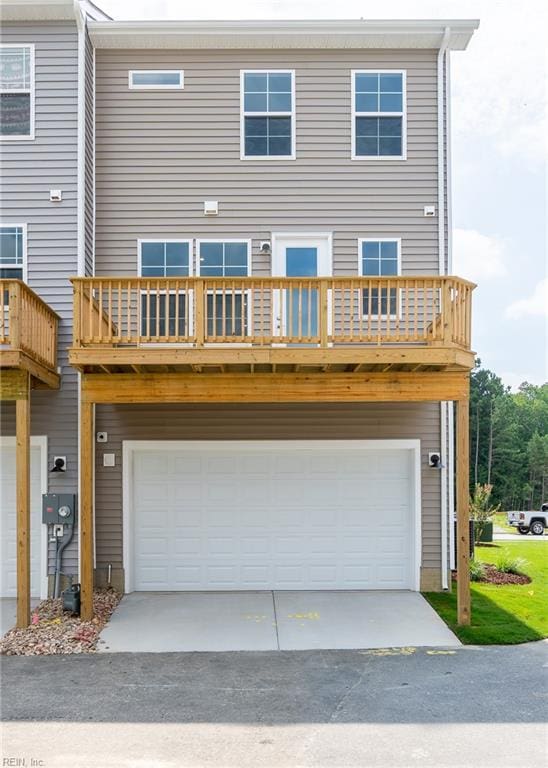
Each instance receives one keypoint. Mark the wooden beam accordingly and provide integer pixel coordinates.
(86, 509)
(273, 388)
(463, 525)
(14, 385)
(22, 493)
(228, 354)
(16, 359)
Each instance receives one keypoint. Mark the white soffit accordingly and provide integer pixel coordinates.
(281, 34)
(47, 10)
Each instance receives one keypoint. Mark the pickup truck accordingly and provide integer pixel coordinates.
(535, 522)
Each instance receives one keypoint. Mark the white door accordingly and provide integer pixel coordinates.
(271, 515)
(300, 255)
(8, 567)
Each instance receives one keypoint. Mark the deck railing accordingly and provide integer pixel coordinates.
(27, 324)
(270, 311)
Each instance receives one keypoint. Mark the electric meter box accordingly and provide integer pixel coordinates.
(59, 508)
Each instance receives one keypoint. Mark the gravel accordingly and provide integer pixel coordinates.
(54, 631)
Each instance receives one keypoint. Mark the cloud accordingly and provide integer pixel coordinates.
(535, 304)
(477, 256)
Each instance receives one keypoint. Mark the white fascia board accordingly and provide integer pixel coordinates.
(31, 10)
(280, 34)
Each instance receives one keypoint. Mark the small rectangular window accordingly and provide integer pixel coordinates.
(379, 114)
(16, 91)
(379, 258)
(12, 251)
(156, 79)
(268, 114)
(165, 312)
(227, 309)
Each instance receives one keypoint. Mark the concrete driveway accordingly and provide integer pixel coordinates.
(8, 612)
(157, 622)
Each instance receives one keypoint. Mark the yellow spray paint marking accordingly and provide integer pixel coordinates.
(406, 651)
(440, 653)
(312, 615)
(255, 617)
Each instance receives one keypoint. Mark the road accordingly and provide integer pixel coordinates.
(471, 707)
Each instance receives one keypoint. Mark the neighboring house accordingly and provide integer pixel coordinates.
(266, 340)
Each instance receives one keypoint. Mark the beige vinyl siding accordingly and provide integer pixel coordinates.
(161, 154)
(255, 422)
(29, 170)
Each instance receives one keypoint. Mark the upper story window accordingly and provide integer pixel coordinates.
(378, 114)
(12, 251)
(16, 91)
(380, 258)
(268, 114)
(156, 79)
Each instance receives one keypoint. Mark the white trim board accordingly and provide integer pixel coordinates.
(40, 441)
(129, 447)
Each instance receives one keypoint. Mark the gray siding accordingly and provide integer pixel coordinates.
(29, 170)
(89, 195)
(161, 154)
(254, 422)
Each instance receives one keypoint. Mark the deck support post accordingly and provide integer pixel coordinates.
(86, 509)
(463, 525)
(22, 493)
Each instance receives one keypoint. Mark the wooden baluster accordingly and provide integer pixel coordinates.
(199, 328)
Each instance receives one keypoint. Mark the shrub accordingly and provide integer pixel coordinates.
(477, 570)
(480, 510)
(508, 564)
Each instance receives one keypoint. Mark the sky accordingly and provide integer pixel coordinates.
(499, 153)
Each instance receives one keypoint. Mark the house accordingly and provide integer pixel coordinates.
(265, 341)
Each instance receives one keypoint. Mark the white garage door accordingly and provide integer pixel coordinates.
(264, 515)
(8, 572)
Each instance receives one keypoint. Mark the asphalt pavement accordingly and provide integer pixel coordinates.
(467, 707)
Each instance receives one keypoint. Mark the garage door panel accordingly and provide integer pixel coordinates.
(276, 518)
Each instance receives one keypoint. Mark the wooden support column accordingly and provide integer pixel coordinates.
(463, 525)
(22, 493)
(86, 510)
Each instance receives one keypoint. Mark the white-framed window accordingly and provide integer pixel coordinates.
(156, 79)
(267, 114)
(16, 92)
(227, 309)
(13, 251)
(379, 114)
(379, 257)
(164, 313)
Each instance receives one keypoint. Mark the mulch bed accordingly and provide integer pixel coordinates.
(54, 631)
(493, 576)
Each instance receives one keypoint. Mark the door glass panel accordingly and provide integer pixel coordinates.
(302, 303)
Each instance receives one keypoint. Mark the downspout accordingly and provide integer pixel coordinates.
(442, 271)
(450, 408)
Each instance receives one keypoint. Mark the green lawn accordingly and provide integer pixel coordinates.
(511, 613)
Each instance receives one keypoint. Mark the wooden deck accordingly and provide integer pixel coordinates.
(28, 337)
(271, 325)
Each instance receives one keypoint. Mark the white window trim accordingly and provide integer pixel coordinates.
(24, 264)
(156, 87)
(31, 135)
(396, 240)
(248, 243)
(190, 293)
(160, 239)
(243, 115)
(402, 114)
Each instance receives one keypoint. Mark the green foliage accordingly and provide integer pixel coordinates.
(509, 613)
(477, 570)
(507, 563)
(509, 440)
(481, 511)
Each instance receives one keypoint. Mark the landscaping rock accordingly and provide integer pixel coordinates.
(53, 630)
